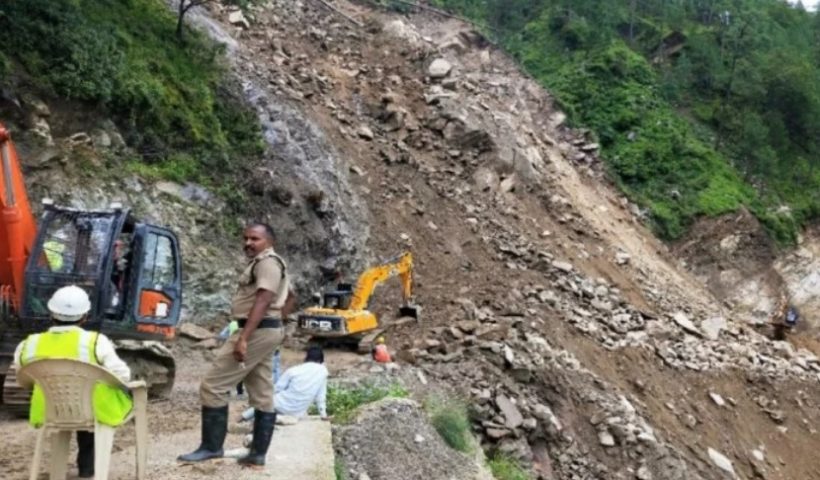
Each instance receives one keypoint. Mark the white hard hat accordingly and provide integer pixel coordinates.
(69, 304)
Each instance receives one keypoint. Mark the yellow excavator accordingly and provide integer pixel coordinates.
(343, 314)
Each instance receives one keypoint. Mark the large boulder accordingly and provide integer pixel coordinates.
(440, 68)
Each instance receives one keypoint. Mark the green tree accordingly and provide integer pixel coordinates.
(734, 104)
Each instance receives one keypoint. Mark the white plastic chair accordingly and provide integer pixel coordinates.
(68, 386)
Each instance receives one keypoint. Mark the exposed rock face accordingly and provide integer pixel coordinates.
(303, 187)
(300, 152)
(800, 270)
(734, 257)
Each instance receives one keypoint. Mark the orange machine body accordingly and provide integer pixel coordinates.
(17, 226)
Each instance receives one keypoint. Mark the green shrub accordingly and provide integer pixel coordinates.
(54, 41)
(177, 167)
(506, 468)
(339, 469)
(650, 150)
(342, 402)
(122, 56)
(451, 421)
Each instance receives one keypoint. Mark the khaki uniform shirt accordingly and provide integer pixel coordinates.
(266, 271)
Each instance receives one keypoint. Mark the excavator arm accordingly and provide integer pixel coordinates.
(340, 319)
(17, 226)
(401, 265)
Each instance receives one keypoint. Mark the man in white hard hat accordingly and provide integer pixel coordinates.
(69, 307)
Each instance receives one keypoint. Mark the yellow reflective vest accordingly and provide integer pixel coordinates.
(233, 327)
(111, 405)
(54, 254)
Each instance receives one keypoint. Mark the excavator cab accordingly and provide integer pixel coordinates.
(339, 298)
(130, 270)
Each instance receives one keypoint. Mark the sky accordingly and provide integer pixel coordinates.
(809, 4)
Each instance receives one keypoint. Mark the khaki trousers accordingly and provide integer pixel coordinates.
(226, 373)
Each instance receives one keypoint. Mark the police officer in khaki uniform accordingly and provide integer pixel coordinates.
(247, 355)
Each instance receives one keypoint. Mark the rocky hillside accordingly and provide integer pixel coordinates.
(583, 346)
(82, 154)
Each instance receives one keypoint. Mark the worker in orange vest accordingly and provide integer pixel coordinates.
(380, 353)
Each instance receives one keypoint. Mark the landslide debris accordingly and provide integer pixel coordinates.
(583, 346)
(587, 351)
(393, 438)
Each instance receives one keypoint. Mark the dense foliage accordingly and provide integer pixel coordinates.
(701, 106)
(122, 56)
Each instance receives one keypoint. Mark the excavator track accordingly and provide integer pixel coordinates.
(364, 343)
(15, 398)
(150, 361)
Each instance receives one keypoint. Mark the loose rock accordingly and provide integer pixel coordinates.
(440, 68)
(721, 461)
(512, 416)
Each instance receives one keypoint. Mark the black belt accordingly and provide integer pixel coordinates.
(264, 323)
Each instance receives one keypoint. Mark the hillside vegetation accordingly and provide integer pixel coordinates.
(122, 57)
(700, 106)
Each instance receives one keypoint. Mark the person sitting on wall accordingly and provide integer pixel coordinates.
(300, 387)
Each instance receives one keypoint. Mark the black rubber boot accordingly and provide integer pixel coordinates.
(85, 454)
(214, 429)
(263, 424)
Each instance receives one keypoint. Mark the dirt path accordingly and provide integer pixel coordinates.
(301, 451)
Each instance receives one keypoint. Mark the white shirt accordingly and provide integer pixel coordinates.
(300, 386)
(105, 351)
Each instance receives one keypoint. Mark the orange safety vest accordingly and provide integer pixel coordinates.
(381, 355)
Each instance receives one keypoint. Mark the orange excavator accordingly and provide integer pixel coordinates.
(131, 271)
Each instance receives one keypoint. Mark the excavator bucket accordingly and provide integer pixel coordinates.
(410, 310)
